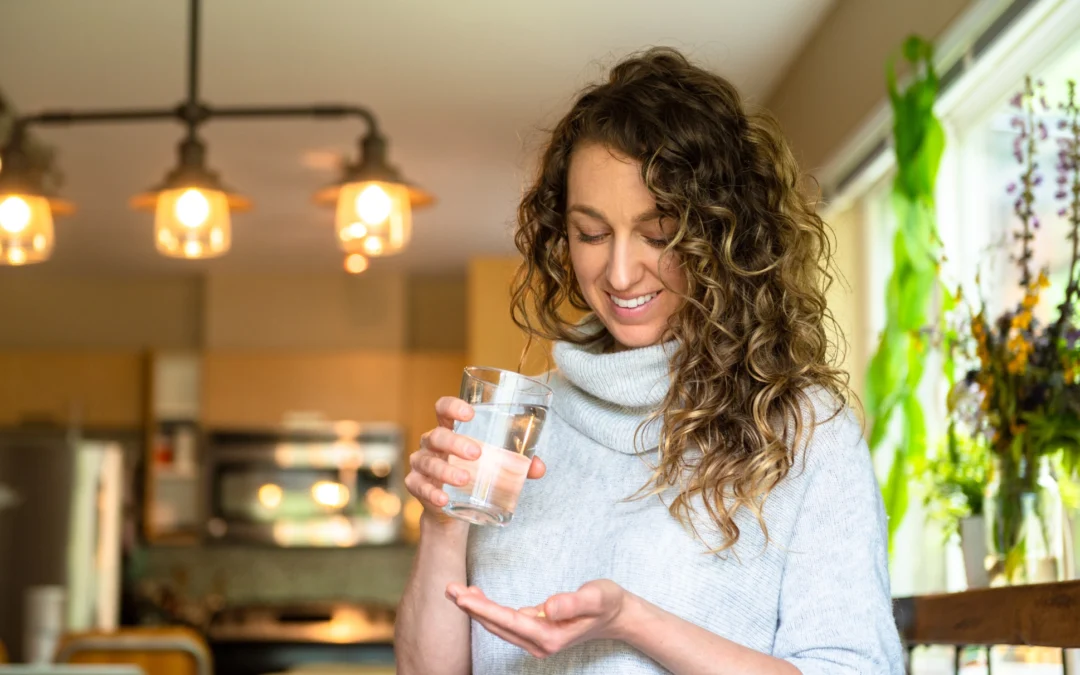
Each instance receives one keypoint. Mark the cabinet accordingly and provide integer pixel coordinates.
(94, 389)
(264, 388)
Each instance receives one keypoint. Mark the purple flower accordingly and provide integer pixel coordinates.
(1063, 212)
(1037, 181)
(1019, 156)
(1017, 101)
(1061, 194)
(1035, 223)
(1018, 204)
(1043, 133)
(1011, 187)
(1040, 84)
(1062, 179)
(1063, 124)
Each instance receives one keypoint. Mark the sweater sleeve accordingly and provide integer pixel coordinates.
(835, 614)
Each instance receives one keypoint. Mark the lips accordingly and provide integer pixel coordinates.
(632, 307)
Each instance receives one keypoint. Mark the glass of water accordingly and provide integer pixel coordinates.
(510, 412)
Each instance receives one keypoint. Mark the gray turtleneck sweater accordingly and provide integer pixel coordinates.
(817, 595)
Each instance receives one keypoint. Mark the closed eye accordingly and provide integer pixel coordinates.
(590, 238)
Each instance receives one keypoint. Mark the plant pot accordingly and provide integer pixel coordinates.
(973, 543)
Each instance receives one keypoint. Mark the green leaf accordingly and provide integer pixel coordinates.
(895, 492)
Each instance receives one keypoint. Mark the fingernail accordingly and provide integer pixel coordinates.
(461, 477)
(473, 452)
(453, 594)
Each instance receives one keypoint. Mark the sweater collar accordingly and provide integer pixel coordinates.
(606, 396)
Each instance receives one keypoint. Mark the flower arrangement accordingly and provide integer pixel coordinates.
(1019, 397)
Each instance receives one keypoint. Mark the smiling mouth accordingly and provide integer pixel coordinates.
(634, 303)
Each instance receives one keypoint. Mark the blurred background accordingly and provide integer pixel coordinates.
(205, 438)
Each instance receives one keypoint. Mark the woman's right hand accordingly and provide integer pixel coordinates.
(430, 468)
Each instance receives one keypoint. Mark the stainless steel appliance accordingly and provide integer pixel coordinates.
(60, 536)
(333, 484)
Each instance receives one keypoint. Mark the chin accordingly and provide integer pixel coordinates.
(634, 337)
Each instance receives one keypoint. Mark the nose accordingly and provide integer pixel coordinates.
(626, 264)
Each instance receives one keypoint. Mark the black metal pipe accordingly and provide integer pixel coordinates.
(193, 53)
(72, 116)
(327, 110)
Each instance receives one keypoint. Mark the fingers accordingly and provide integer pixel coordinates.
(429, 494)
(447, 442)
(537, 469)
(449, 409)
(437, 469)
(567, 606)
(512, 638)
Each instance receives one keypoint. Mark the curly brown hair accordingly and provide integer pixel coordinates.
(754, 336)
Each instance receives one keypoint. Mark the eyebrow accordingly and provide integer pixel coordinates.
(647, 216)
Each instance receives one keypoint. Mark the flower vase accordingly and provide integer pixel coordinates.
(973, 544)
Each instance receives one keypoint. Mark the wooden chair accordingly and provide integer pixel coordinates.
(157, 651)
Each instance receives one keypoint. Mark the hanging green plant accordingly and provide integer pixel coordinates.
(912, 292)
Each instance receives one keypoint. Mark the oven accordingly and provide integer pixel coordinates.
(334, 484)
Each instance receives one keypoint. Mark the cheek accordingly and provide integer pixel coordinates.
(671, 272)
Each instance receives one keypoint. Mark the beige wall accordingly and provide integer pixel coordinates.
(847, 298)
(838, 79)
(39, 310)
(325, 311)
(43, 310)
(436, 312)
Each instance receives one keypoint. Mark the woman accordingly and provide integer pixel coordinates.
(709, 505)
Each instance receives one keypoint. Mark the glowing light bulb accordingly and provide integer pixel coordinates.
(217, 238)
(39, 242)
(270, 495)
(16, 256)
(354, 231)
(355, 263)
(373, 205)
(192, 249)
(192, 208)
(373, 246)
(330, 493)
(14, 214)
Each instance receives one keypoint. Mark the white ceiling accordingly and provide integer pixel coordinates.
(462, 88)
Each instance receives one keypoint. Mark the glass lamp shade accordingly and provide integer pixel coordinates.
(374, 218)
(26, 229)
(192, 222)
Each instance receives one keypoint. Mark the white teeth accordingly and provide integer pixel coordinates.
(633, 302)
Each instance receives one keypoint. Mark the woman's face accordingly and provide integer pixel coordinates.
(616, 238)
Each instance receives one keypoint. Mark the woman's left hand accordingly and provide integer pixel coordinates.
(590, 613)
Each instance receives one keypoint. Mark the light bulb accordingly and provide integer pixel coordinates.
(217, 239)
(330, 493)
(192, 249)
(14, 214)
(270, 495)
(373, 246)
(16, 256)
(39, 242)
(355, 263)
(373, 205)
(192, 208)
(354, 231)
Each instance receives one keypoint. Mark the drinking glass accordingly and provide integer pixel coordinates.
(510, 412)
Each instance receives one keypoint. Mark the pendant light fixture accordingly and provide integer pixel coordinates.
(26, 210)
(192, 208)
(374, 203)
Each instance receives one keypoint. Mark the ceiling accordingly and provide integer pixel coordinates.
(463, 90)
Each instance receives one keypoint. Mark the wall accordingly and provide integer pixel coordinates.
(43, 311)
(327, 311)
(435, 306)
(838, 78)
